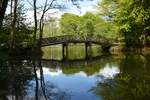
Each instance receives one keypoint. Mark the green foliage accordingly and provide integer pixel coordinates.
(131, 17)
(88, 24)
(89, 27)
(70, 24)
(23, 37)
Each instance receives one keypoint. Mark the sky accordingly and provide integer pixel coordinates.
(84, 6)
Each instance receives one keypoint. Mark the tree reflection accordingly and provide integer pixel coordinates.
(14, 78)
(45, 90)
(19, 80)
(132, 83)
(88, 66)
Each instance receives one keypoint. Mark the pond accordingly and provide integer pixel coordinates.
(102, 77)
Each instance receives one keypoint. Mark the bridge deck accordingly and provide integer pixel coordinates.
(74, 39)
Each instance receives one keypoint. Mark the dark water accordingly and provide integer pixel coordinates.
(102, 77)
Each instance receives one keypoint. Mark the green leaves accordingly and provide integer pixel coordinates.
(70, 24)
(23, 34)
(129, 18)
(88, 24)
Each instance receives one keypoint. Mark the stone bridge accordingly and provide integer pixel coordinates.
(87, 40)
(75, 39)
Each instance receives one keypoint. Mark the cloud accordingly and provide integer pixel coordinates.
(82, 7)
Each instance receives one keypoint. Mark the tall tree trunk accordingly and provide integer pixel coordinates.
(13, 26)
(34, 48)
(3, 6)
(35, 21)
(41, 27)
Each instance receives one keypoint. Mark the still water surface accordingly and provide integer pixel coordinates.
(102, 77)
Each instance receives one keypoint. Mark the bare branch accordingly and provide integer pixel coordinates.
(50, 5)
(30, 3)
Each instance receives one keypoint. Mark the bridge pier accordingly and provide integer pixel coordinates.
(64, 51)
(88, 50)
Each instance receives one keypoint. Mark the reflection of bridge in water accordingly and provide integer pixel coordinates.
(76, 62)
(87, 40)
(88, 66)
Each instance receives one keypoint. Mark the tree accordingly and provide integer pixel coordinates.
(3, 6)
(70, 24)
(131, 17)
(107, 11)
(89, 21)
(90, 27)
(13, 26)
(23, 32)
(88, 24)
(35, 20)
(93, 24)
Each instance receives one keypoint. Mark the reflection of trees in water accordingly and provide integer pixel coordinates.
(75, 51)
(132, 83)
(18, 81)
(13, 78)
(45, 90)
(52, 92)
(89, 66)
